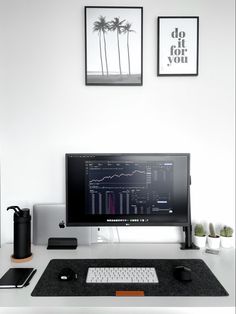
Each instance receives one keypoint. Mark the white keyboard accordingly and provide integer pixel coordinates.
(121, 275)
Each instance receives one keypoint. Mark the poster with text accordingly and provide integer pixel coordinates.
(178, 46)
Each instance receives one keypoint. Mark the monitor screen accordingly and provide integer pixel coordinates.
(127, 189)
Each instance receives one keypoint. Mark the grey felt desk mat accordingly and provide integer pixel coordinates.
(203, 283)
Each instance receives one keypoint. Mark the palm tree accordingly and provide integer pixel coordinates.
(97, 28)
(116, 25)
(101, 26)
(126, 30)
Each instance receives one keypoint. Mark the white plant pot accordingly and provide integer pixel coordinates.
(199, 241)
(226, 242)
(213, 243)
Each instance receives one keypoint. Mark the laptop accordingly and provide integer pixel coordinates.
(49, 222)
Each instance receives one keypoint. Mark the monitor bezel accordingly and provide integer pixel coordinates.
(133, 224)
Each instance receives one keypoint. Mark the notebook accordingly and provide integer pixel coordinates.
(16, 277)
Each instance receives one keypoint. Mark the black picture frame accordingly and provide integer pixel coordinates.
(177, 45)
(113, 45)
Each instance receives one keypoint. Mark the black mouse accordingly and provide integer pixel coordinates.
(182, 273)
(67, 274)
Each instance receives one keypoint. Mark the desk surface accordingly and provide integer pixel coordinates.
(222, 266)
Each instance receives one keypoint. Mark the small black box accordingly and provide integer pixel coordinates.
(62, 244)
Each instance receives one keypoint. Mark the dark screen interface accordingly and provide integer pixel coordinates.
(123, 189)
(128, 187)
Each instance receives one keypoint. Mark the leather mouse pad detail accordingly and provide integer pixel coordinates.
(130, 293)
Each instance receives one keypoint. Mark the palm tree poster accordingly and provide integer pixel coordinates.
(114, 45)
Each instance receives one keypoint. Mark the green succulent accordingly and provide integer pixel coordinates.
(212, 230)
(199, 230)
(226, 232)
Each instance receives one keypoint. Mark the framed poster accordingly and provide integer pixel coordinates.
(178, 39)
(113, 45)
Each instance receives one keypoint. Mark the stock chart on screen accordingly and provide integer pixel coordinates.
(129, 187)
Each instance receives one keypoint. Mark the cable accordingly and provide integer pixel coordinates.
(118, 235)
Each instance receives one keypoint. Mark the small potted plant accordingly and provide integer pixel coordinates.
(213, 238)
(199, 237)
(226, 237)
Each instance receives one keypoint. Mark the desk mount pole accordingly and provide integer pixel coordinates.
(188, 244)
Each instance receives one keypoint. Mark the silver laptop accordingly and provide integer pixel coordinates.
(48, 221)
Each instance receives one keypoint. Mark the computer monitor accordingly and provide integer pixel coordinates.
(128, 190)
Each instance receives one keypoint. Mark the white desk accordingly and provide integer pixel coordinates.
(222, 266)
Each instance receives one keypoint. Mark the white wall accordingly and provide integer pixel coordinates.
(46, 109)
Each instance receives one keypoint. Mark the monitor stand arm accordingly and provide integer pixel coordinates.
(188, 244)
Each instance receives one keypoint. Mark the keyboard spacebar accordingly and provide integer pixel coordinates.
(119, 280)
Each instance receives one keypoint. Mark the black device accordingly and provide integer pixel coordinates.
(62, 244)
(22, 232)
(182, 273)
(67, 274)
(129, 190)
(16, 277)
